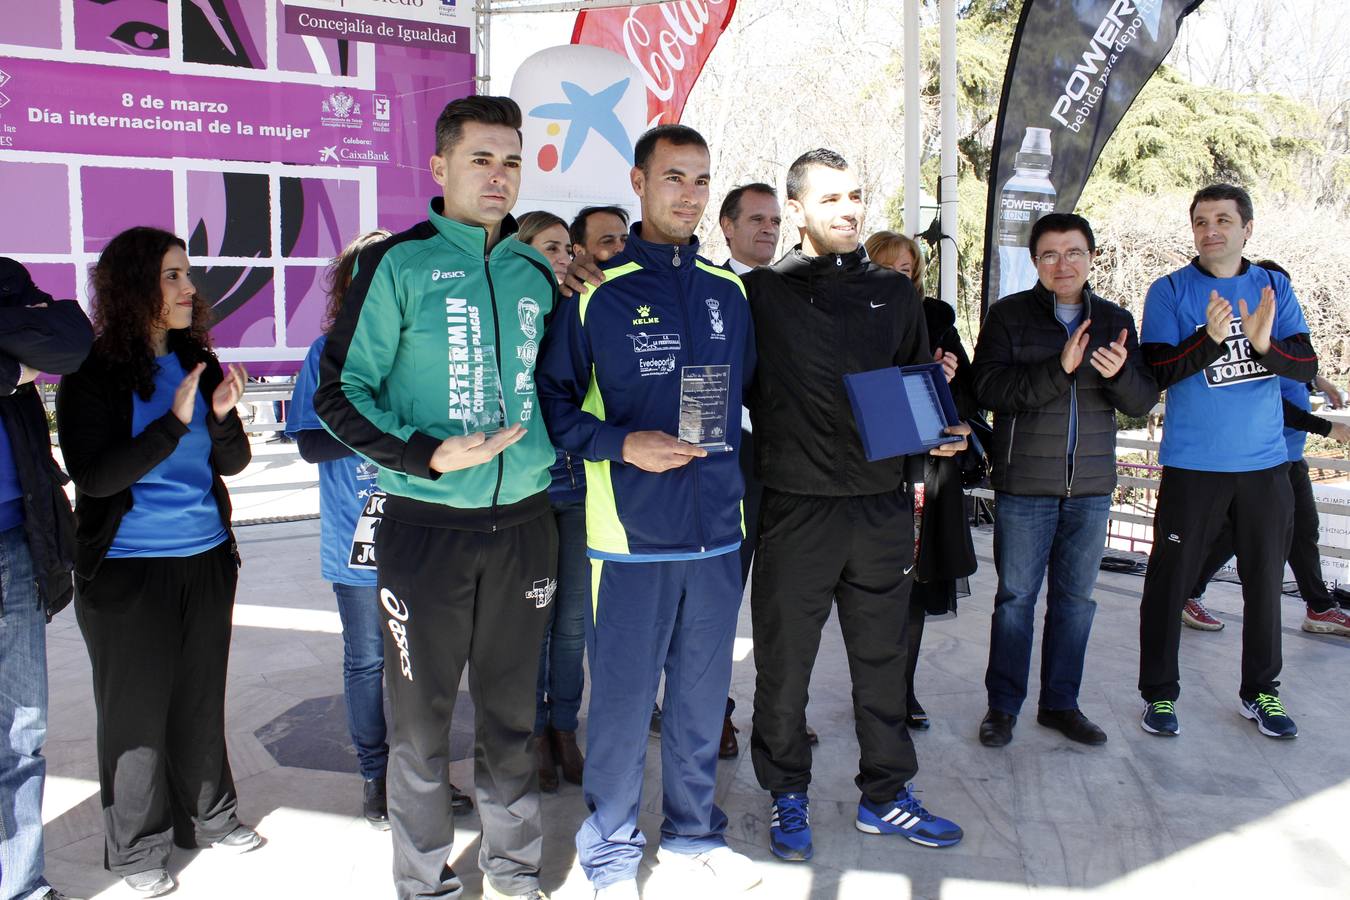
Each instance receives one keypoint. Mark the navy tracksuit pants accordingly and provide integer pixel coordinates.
(647, 617)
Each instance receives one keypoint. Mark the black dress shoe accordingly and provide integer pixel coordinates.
(996, 729)
(1073, 725)
(567, 754)
(545, 763)
(375, 807)
(728, 747)
(915, 717)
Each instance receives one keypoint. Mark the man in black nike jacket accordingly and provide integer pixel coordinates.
(833, 526)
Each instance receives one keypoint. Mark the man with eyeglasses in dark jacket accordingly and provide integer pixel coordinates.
(1054, 363)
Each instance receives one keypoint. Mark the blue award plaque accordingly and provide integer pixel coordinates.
(902, 411)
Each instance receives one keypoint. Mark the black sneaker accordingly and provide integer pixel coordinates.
(1073, 725)
(460, 802)
(655, 727)
(375, 805)
(1160, 717)
(1269, 715)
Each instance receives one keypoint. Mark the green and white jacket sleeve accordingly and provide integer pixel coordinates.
(360, 353)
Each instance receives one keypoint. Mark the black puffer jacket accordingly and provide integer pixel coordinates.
(52, 336)
(817, 319)
(1018, 376)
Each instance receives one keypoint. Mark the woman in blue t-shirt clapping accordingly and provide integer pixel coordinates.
(147, 428)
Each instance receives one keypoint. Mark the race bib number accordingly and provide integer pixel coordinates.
(363, 538)
(1237, 365)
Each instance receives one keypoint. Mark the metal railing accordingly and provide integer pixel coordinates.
(1150, 488)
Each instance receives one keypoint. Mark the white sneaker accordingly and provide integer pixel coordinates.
(619, 890)
(731, 870)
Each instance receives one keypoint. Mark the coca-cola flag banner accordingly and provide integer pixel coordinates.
(265, 134)
(667, 42)
(584, 109)
(1075, 68)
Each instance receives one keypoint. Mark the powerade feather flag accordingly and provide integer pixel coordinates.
(1075, 68)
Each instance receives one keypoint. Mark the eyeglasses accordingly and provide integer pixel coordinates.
(1074, 257)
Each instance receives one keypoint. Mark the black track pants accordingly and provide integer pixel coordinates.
(1257, 508)
(812, 553)
(452, 597)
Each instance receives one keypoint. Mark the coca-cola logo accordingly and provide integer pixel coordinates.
(667, 42)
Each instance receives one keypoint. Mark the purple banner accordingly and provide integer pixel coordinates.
(253, 144)
(73, 108)
(351, 26)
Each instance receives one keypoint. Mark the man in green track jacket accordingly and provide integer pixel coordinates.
(429, 372)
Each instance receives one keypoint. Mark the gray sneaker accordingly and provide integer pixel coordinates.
(150, 883)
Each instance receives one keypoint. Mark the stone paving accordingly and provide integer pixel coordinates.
(1220, 811)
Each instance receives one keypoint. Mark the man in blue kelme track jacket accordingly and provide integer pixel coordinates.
(663, 518)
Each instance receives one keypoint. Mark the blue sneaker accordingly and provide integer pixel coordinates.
(1269, 715)
(1160, 717)
(790, 827)
(906, 815)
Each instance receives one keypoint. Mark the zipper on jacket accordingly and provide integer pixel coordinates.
(1012, 433)
(497, 344)
(698, 490)
(1071, 458)
(571, 475)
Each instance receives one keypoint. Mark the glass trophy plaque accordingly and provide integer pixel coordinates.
(477, 388)
(705, 397)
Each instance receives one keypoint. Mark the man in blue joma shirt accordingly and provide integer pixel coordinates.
(1218, 352)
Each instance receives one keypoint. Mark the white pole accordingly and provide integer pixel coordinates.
(482, 26)
(913, 118)
(947, 189)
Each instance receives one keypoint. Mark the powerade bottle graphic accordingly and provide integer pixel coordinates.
(1025, 197)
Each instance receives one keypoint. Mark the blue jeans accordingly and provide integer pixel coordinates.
(557, 698)
(1031, 534)
(363, 674)
(23, 721)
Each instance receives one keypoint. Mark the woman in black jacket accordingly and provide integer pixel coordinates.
(147, 428)
(944, 552)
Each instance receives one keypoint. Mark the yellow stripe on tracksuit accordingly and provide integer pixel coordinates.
(735, 279)
(722, 273)
(604, 531)
(596, 566)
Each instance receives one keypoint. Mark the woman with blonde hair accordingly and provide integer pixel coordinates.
(944, 553)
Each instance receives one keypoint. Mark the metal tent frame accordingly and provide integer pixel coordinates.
(484, 10)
